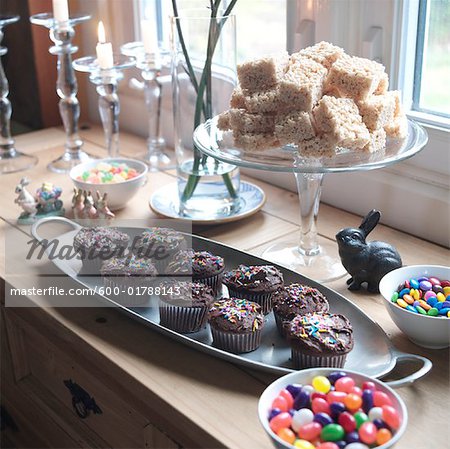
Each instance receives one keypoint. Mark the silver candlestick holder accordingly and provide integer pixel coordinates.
(151, 64)
(66, 86)
(106, 81)
(11, 160)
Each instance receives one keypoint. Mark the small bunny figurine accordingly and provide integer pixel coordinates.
(101, 205)
(89, 211)
(77, 203)
(366, 262)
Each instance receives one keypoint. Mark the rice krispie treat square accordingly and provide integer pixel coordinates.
(322, 145)
(398, 128)
(237, 100)
(262, 73)
(244, 123)
(267, 101)
(383, 85)
(355, 77)
(340, 118)
(302, 84)
(324, 53)
(294, 127)
(252, 142)
(377, 111)
(223, 121)
(377, 141)
(398, 109)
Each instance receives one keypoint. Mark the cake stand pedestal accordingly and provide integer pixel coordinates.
(306, 256)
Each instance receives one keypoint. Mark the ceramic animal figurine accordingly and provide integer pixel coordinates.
(25, 199)
(45, 203)
(89, 211)
(101, 205)
(366, 261)
(77, 203)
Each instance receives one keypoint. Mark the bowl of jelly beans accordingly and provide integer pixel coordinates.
(417, 298)
(326, 408)
(120, 178)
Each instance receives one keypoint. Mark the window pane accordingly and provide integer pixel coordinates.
(260, 24)
(433, 73)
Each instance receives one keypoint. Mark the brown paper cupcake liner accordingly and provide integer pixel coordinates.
(280, 324)
(236, 343)
(263, 299)
(215, 282)
(182, 319)
(125, 283)
(301, 360)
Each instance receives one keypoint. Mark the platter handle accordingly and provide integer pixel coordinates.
(426, 367)
(43, 221)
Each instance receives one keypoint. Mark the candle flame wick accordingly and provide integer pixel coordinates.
(101, 33)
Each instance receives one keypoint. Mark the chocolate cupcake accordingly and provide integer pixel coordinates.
(236, 325)
(319, 339)
(203, 266)
(296, 299)
(129, 279)
(184, 305)
(159, 244)
(97, 244)
(254, 282)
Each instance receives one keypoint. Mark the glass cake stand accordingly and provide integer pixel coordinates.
(306, 256)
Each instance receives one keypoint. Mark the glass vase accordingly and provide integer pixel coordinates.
(203, 77)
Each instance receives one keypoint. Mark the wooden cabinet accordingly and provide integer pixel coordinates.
(59, 397)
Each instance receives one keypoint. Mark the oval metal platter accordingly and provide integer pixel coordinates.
(373, 353)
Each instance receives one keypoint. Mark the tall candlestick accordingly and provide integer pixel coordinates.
(61, 11)
(104, 49)
(62, 35)
(149, 36)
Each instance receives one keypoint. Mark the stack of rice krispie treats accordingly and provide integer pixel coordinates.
(319, 99)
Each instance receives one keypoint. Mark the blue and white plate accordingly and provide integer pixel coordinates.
(165, 202)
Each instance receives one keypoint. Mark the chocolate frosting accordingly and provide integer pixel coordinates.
(152, 238)
(254, 278)
(199, 264)
(298, 299)
(321, 333)
(236, 315)
(187, 294)
(100, 238)
(128, 266)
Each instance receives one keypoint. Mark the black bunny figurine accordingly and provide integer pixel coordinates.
(366, 262)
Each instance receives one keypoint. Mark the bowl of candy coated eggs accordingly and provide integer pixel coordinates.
(329, 408)
(417, 298)
(120, 178)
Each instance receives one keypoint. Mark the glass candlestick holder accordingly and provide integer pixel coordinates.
(11, 160)
(151, 64)
(62, 35)
(106, 82)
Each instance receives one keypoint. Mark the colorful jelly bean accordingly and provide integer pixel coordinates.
(310, 431)
(344, 384)
(347, 421)
(368, 433)
(321, 384)
(391, 416)
(287, 435)
(280, 421)
(332, 432)
(288, 396)
(320, 405)
(360, 418)
(280, 403)
(380, 398)
(303, 444)
(301, 418)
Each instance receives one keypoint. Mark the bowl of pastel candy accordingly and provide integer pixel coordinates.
(417, 298)
(325, 408)
(119, 178)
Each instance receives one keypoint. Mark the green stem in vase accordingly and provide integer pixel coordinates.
(205, 84)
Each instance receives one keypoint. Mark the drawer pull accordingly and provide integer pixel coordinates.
(82, 402)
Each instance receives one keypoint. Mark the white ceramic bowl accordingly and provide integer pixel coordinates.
(118, 193)
(423, 330)
(305, 377)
